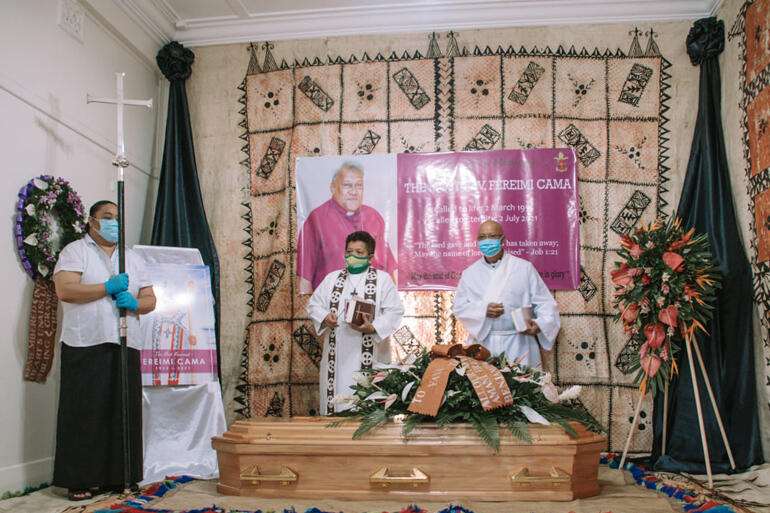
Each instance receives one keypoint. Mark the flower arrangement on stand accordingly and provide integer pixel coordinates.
(385, 393)
(664, 287)
(49, 215)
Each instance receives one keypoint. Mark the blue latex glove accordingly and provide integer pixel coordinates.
(126, 300)
(117, 283)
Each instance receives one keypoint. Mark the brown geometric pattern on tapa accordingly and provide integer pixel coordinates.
(751, 31)
(609, 105)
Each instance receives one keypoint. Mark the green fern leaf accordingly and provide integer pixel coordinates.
(520, 430)
(411, 422)
(369, 422)
(486, 425)
(569, 429)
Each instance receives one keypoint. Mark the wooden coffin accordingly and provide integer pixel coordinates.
(302, 458)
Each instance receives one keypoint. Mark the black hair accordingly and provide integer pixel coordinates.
(364, 237)
(96, 207)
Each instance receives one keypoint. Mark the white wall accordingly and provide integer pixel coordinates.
(47, 127)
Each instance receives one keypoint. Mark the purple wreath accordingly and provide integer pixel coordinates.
(49, 215)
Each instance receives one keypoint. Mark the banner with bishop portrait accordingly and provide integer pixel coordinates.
(424, 209)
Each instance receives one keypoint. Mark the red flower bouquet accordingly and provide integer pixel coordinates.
(665, 283)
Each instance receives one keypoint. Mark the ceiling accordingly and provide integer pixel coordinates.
(206, 22)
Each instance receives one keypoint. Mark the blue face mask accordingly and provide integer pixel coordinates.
(490, 247)
(108, 229)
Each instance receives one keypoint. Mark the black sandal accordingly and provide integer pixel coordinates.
(79, 494)
(118, 488)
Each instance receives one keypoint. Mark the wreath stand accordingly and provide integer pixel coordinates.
(690, 343)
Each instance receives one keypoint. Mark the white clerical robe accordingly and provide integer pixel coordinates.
(389, 311)
(522, 286)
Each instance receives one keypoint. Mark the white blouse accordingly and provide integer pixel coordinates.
(96, 322)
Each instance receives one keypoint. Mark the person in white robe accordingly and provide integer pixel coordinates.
(349, 348)
(492, 287)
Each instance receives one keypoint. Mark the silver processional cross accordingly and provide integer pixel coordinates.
(122, 162)
(120, 155)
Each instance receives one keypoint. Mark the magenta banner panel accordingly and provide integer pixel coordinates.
(444, 197)
(169, 363)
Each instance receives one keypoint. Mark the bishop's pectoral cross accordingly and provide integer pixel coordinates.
(120, 155)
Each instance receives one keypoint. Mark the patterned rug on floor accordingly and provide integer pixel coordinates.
(690, 494)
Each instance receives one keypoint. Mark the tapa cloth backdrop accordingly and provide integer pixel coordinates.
(467, 82)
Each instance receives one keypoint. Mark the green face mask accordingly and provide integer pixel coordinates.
(356, 264)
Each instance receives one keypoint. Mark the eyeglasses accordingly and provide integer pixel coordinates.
(484, 236)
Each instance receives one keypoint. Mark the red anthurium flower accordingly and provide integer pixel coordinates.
(645, 279)
(674, 260)
(644, 350)
(621, 276)
(635, 251)
(655, 335)
(650, 363)
(668, 315)
(631, 313)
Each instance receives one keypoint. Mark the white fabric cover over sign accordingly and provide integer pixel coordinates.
(178, 425)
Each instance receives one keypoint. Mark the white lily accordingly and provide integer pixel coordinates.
(375, 395)
(31, 240)
(534, 416)
(447, 395)
(549, 389)
(392, 366)
(379, 377)
(344, 399)
(390, 400)
(460, 369)
(361, 379)
(40, 184)
(406, 390)
(30, 209)
(43, 270)
(551, 392)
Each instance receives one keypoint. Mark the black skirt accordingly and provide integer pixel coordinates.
(89, 446)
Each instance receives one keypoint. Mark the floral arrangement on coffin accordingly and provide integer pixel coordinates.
(664, 287)
(384, 394)
(49, 215)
